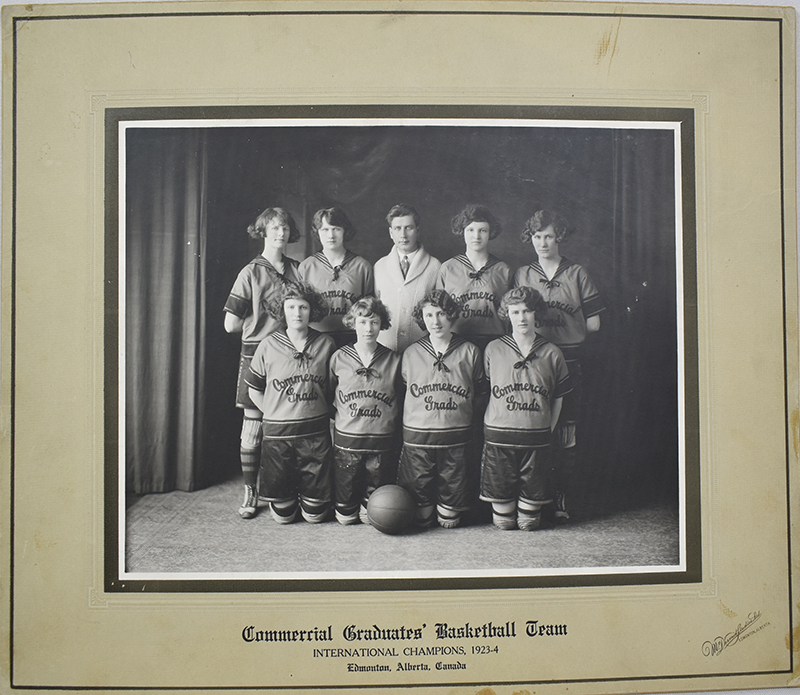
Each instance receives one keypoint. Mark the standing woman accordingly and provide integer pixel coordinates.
(574, 307)
(258, 284)
(476, 279)
(339, 275)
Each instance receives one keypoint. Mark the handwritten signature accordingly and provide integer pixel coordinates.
(718, 644)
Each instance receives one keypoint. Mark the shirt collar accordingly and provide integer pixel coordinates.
(410, 255)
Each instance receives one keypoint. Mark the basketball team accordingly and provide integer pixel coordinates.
(459, 381)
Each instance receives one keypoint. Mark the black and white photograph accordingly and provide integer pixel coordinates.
(493, 340)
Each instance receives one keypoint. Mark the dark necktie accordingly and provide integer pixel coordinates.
(404, 264)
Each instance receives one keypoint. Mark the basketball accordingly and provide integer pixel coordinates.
(390, 509)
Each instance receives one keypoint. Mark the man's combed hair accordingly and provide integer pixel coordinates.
(476, 213)
(402, 210)
(522, 295)
(541, 220)
(258, 230)
(299, 290)
(438, 298)
(335, 217)
(367, 306)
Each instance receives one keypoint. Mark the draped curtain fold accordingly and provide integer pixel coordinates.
(165, 312)
(642, 427)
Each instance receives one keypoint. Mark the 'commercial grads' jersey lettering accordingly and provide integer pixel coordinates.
(522, 391)
(365, 398)
(440, 392)
(478, 292)
(571, 298)
(340, 285)
(294, 384)
(256, 286)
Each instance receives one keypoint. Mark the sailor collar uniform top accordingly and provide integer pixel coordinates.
(294, 384)
(571, 298)
(256, 286)
(523, 388)
(440, 391)
(366, 399)
(478, 292)
(340, 285)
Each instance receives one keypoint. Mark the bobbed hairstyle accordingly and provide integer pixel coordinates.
(299, 290)
(258, 230)
(522, 295)
(402, 210)
(541, 220)
(476, 213)
(336, 217)
(438, 298)
(367, 306)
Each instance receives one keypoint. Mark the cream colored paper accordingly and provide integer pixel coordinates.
(735, 66)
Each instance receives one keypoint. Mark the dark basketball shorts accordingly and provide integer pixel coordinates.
(508, 473)
(435, 475)
(301, 467)
(356, 474)
(570, 408)
(242, 394)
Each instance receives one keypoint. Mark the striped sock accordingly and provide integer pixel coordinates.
(447, 518)
(314, 512)
(529, 515)
(251, 460)
(283, 512)
(504, 515)
(347, 515)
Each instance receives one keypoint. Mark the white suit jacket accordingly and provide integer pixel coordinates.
(400, 295)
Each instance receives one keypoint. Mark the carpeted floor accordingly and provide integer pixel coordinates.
(202, 532)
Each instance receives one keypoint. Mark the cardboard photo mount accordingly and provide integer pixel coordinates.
(65, 67)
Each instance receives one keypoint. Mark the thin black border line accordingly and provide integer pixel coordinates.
(787, 442)
(393, 686)
(12, 359)
(432, 13)
(12, 403)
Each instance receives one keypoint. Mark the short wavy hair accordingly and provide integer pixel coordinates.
(336, 217)
(438, 298)
(476, 213)
(367, 306)
(258, 230)
(299, 290)
(522, 295)
(541, 220)
(402, 210)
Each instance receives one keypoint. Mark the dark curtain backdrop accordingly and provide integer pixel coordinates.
(165, 302)
(192, 189)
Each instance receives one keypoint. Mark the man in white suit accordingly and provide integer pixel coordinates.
(404, 277)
